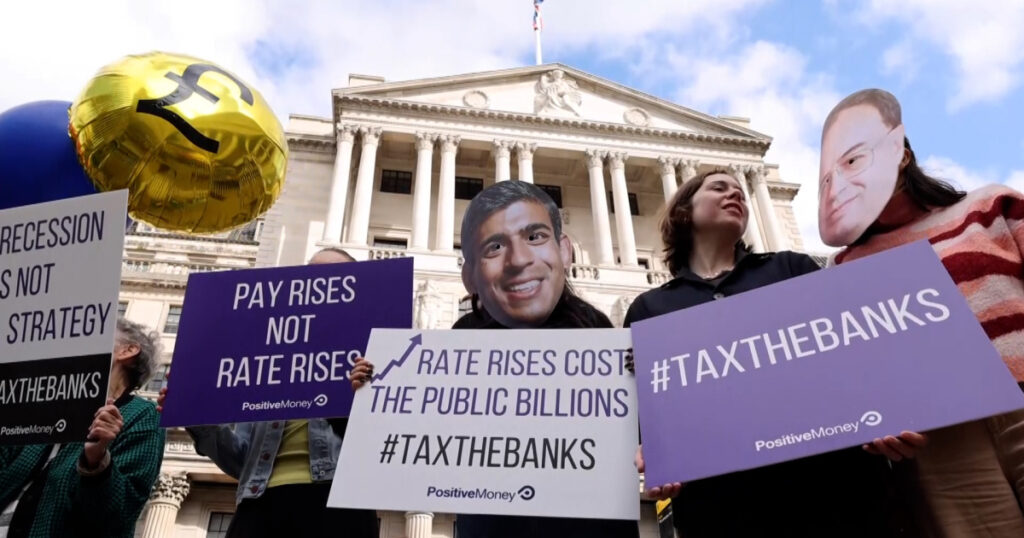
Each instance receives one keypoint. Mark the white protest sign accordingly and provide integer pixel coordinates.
(518, 422)
(60, 271)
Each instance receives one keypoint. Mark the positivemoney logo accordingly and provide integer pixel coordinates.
(868, 418)
(524, 493)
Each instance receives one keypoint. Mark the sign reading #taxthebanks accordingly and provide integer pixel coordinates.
(278, 343)
(813, 364)
(518, 422)
(60, 270)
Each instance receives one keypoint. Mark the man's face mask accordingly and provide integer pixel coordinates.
(860, 163)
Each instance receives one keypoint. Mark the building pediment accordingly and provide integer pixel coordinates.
(552, 91)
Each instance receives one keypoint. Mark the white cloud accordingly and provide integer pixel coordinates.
(53, 48)
(983, 39)
(949, 170)
(1016, 181)
(770, 84)
(316, 45)
(901, 60)
(967, 179)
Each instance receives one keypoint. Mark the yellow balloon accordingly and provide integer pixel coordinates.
(198, 149)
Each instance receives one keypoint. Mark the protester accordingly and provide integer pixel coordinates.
(516, 258)
(284, 470)
(99, 487)
(843, 493)
(970, 478)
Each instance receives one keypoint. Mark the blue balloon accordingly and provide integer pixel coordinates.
(38, 162)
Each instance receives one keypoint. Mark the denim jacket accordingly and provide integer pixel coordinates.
(247, 453)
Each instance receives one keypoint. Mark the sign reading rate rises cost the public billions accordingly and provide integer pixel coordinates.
(813, 364)
(279, 343)
(60, 269)
(518, 422)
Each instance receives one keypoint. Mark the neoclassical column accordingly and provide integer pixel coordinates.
(524, 151)
(753, 235)
(502, 160)
(421, 190)
(599, 207)
(668, 175)
(620, 199)
(687, 169)
(773, 230)
(445, 232)
(359, 224)
(419, 524)
(164, 502)
(339, 184)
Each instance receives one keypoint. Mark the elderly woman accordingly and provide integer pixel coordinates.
(99, 487)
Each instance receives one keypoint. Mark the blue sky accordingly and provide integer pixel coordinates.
(956, 66)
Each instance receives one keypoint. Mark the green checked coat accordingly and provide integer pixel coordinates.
(106, 505)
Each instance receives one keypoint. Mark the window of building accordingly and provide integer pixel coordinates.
(644, 262)
(173, 318)
(467, 187)
(159, 380)
(396, 181)
(554, 191)
(396, 244)
(634, 207)
(122, 307)
(218, 525)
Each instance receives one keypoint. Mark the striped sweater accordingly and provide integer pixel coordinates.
(980, 241)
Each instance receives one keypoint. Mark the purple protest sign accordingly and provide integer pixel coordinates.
(278, 343)
(814, 364)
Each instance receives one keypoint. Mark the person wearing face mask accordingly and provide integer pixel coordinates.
(516, 257)
(873, 196)
(841, 493)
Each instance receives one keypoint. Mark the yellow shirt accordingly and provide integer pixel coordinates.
(292, 463)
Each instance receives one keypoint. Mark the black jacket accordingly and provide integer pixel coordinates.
(842, 493)
(570, 313)
(687, 289)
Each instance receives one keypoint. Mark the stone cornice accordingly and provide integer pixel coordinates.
(787, 190)
(311, 143)
(783, 187)
(532, 119)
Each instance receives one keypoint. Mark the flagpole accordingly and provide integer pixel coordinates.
(538, 25)
(536, 34)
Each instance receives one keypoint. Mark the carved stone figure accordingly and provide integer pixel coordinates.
(620, 308)
(427, 300)
(555, 91)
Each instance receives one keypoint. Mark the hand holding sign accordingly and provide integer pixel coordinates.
(104, 429)
(898, 448)
(361, 374)
(660, 493)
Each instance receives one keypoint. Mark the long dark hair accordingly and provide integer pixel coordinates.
(571, 310)
(924, 190)
(676, 223)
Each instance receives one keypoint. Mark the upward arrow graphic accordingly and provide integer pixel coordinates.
(413, 342)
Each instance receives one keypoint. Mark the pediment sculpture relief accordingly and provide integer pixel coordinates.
(557, 92)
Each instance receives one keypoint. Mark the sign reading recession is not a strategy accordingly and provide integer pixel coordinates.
(813, 364)
(278, 343)
(60, 270)
(520, 422)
